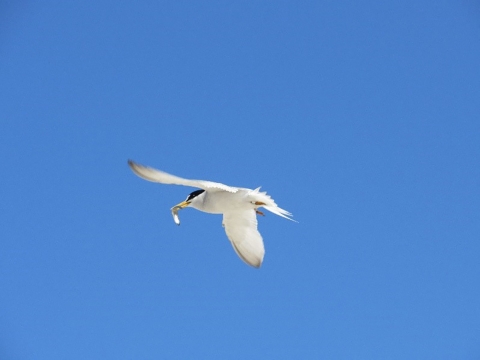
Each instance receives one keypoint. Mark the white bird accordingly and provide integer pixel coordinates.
(239, 207)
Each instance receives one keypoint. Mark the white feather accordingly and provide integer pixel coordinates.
(162, 177)
(241, 229)
(270, 204)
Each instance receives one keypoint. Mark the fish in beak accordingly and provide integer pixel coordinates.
(175, 210)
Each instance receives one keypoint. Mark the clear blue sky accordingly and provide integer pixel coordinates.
(361, 118)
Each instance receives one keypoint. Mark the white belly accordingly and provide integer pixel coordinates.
(219, 202)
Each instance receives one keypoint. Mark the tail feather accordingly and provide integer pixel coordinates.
(270, 204)
(280, 212)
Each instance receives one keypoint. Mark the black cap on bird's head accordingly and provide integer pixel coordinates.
(194, 194)
(188, 200)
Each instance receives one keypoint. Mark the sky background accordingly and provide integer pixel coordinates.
(361, 118)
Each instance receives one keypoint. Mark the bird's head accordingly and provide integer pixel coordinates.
(191, 199)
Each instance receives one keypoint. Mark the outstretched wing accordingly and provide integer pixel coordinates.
(241, 229)
(158, 176)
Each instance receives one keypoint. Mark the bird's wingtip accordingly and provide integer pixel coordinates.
(133, 165)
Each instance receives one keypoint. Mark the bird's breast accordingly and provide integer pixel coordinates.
(219, 202)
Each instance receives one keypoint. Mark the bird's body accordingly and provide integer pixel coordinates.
(239, 207)
(219, 202)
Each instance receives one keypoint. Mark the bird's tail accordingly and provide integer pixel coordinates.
(270, 205)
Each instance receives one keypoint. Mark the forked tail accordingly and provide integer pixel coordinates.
(270, 204)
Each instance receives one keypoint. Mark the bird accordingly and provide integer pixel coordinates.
(239, 207)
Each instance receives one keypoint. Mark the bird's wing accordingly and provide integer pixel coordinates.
(241, 229)
(158, 176)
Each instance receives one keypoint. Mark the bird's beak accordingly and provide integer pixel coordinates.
(181, 206)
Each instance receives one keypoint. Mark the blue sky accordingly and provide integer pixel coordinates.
(361, 118)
